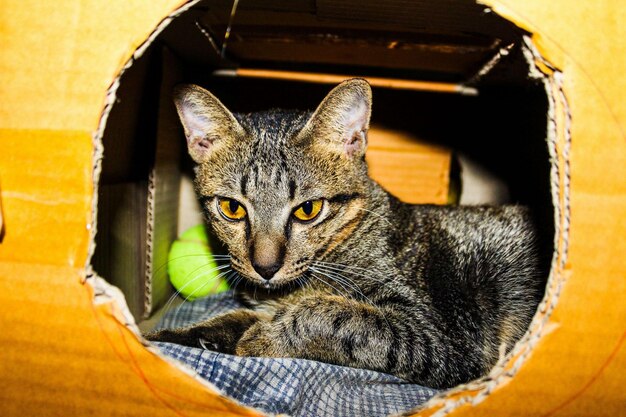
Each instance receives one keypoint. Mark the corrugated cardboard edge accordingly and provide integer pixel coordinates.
(107, 294)
(109, 307)
(559, 142)
(163, 188)
(147, 299)
(104, 293)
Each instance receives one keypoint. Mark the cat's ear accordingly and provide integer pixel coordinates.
(206, 121)
(342, 119)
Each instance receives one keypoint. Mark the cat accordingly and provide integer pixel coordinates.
(336, 269)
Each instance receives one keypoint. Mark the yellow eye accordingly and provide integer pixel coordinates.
(308, 210)
(231, 209)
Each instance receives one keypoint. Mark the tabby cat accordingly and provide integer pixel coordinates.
(333, 267)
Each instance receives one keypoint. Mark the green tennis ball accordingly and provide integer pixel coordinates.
(191, 267)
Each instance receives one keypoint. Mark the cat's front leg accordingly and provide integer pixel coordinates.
(220, 333)
(326, 328)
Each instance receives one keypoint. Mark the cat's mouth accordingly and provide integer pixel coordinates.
(279, 282)
(293, 274)
(288, 279)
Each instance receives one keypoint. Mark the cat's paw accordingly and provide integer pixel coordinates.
(215, 338)
(185, 337)
(219, 334)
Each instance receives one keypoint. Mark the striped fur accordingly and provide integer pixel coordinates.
(428, 293)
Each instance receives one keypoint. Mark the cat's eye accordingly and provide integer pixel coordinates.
(308, 210)
(231, 209)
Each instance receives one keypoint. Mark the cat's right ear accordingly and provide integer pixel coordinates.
(341, 121)
(206, 121)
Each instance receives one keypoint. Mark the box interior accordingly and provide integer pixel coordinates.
(496, 136)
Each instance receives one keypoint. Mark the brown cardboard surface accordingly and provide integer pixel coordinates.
(420, 35)
(46, 187)
(1, 221)
(56, 70)
(63, 355)
(66, 356)
(64, 59)
(413, 171)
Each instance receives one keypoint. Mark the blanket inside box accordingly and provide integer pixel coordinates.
(295, 387)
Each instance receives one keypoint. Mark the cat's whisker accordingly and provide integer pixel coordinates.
(178, 292)
(199, 276)
(345, 293)
(333, 279)
(212, 255)
(337, 290)
(215, 278)
(377, 214)
(303, 282)
(345, 280)
(217, 257)
(340, 278)
(299, 283)
(356, 274)
(238, 279)
(202, 274)
(229, 278)
(342, 266)
(348, 268)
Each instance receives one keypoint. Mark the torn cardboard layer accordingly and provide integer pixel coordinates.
(109, 297)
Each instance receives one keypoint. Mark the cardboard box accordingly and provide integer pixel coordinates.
(69, 343)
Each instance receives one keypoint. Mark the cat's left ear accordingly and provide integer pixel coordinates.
(208, 124)
(342, 119)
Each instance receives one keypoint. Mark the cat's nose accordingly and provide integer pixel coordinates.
(267, 254)
(267, 271)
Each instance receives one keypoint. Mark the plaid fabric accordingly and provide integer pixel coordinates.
(296, 387)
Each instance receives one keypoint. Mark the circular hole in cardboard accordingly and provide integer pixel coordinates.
(483, 101)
